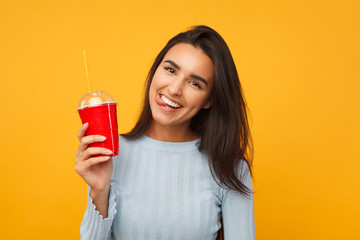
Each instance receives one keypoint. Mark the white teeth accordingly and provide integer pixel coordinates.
(169, 102)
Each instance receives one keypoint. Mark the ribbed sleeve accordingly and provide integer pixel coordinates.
(238, 211)
(93, 226)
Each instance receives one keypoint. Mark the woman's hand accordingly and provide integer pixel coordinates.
(96, 171)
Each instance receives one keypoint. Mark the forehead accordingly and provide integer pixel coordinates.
(191, 60)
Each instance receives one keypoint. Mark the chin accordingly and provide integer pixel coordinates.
(161, 121)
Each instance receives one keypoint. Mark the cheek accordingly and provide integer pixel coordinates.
(154, 84)
(196, 100)
(160, 79)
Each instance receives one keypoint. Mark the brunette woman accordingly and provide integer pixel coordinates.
(184, 170)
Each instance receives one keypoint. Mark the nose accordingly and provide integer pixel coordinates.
(176, 86)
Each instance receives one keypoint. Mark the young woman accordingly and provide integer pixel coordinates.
(184, 171)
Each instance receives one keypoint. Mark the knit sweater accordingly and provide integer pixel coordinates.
(165, 190)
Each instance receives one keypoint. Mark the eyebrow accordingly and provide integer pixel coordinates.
(192, 75)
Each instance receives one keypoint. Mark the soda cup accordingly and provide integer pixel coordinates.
(98, 109)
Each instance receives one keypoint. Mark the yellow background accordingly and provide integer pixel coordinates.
(298, 62)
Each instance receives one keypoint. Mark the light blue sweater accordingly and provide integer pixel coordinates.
(164, 190)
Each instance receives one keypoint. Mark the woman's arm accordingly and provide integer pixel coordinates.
(96, 172)
(238, 212)
(93, 225)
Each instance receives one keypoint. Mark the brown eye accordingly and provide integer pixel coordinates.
(169, 69)
(195, 84)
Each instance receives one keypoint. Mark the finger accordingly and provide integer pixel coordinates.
(95, 160)
(85, 141)
(82, 167)
(94, 151)
(82, 131)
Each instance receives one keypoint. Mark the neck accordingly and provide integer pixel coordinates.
(171, 133)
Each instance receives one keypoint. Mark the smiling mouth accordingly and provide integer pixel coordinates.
(170, 104)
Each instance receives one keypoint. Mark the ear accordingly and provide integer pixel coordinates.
(208, 104)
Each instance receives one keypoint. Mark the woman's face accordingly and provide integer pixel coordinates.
(181, 85)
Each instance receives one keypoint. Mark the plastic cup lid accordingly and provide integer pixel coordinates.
(95, 98)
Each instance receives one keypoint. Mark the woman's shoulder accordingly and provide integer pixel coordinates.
(124, 139)
(243, 170)
(243, 173)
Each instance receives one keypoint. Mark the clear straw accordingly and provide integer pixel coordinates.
(87, 71)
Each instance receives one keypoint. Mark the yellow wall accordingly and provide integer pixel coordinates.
(298, 62)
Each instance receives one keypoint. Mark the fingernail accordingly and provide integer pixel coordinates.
(102, 138)
(109, 151)
(85, 124)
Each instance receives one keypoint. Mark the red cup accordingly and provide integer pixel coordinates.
(102, 120)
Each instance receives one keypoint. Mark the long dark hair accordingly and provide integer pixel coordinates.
(223, 128)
